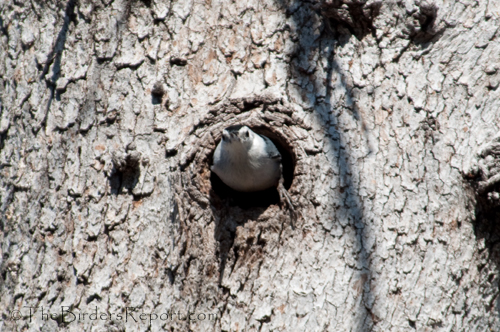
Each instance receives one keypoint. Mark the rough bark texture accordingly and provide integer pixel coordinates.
(385, 111)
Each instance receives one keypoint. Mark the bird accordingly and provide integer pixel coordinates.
(248, 162)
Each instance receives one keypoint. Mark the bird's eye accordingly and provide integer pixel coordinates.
(247, 134)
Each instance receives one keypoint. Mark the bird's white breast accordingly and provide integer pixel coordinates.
(246, 169)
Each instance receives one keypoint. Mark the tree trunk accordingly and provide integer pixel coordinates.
(385, 113)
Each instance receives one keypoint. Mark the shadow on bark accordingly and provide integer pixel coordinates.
(225, 234)
(338, 26)
(55, 54)
(483, 180)
(127, 180)
(126, 170)
(341, 21)
(487, 231)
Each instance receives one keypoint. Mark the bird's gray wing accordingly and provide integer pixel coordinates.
(217, 159)
(271, 149)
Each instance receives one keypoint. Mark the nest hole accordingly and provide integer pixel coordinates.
(263, 198)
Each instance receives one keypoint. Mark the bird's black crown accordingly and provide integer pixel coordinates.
(234, 128)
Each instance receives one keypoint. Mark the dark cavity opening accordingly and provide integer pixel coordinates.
(263, 198)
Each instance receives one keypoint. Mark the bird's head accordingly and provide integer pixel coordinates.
(238, 134)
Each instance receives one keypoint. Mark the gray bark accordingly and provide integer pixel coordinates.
(387, 111)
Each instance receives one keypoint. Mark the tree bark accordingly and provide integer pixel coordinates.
(385, 113)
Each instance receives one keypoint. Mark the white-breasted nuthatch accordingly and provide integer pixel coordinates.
(246, 161)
